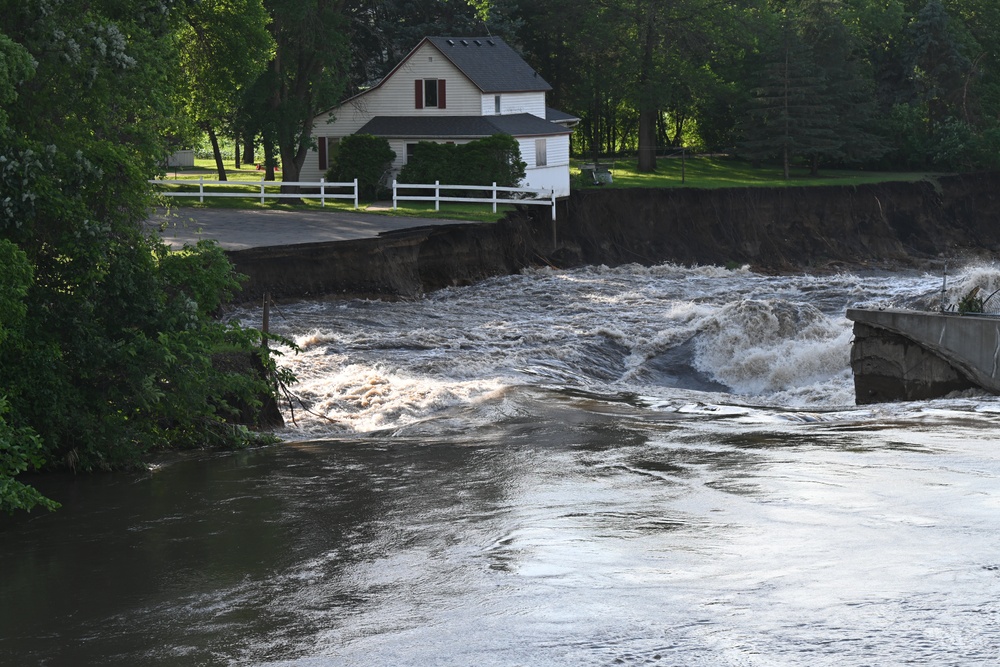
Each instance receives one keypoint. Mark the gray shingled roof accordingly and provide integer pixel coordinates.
(460, 127)
(490, 64)
(557, 116)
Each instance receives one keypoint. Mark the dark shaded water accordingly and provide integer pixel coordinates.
(553, 469)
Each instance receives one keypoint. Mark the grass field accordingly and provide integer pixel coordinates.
(247, 175)
(723, 172)
(694, 172)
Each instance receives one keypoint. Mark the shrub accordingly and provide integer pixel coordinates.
(480, 162)
(364, 157)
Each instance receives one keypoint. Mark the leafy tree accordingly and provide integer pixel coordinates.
(224, 45)
(108, 340)
(364, 157)
(305, 76)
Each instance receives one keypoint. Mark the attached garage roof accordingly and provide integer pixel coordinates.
(460, 127)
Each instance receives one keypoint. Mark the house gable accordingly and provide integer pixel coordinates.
(490, 64)
(455, 90)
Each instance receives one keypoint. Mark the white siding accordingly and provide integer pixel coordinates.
(553, 176)
(548, 178)
(395, 97)
(557, 151)
(512, 103)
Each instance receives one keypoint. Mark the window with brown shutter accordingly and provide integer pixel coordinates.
(430, 93)
(321, 149)
(418, 90)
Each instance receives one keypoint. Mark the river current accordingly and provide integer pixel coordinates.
(635, 466)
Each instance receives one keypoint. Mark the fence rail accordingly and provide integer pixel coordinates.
(542, 197)
(261, 189)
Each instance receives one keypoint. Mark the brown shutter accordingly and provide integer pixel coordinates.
(419, 90)
(321, 146)
(441, 104)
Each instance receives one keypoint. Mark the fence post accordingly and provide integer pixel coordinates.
(201, 189)
(261, 189)
(555, 240)
(322, 192)
(356, 194)
(394, 194)
(494, 196)
(437, 195)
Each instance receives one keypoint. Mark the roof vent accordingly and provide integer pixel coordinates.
(451, 42)
(478, 43)
(464, 43)
(491, 42)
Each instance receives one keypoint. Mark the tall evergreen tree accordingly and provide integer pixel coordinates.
(937, 67)
(791, 114)
(847, 86)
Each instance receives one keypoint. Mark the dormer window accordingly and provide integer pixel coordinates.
(429, 93)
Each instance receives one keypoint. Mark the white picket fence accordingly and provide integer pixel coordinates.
(261, 189)
(541, 197)
(264, 190)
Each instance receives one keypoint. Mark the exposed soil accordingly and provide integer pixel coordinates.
(772, 229)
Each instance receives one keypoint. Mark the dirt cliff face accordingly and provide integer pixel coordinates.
(772, 229)
(790, 228)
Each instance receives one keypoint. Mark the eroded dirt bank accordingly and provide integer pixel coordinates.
(772, 229)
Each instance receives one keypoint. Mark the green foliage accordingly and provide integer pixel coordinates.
(20, 451)
(20, 448)
(109, 344)
(366, 158)
(306, 75)
(971, 303)
(480, 162)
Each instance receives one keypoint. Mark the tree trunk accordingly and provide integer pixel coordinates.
(290, 169)
(648, 111)
(236, 152)
(647, 141)
(219, 163)
(248, 151)
(268, 161)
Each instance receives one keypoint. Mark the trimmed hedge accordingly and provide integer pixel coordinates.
(480, 162)
(365, 157)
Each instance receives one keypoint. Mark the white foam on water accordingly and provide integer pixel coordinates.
(770, 347)
(774, 342)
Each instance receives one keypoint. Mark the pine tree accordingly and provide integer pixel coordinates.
(792, 114)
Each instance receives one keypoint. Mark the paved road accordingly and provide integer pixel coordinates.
(242, 229)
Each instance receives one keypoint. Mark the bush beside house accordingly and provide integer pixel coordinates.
(495, 159)
(365, 157)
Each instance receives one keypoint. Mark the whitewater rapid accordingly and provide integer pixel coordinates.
(664, 338)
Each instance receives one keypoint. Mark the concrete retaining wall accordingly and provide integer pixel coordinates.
(910, 355)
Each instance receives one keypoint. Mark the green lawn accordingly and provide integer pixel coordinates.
(722, 172)
(241, 179)
(696, 172)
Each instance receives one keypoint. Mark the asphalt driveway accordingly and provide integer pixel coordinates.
(241, 229)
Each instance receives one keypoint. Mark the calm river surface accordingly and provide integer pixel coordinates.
(656, 466)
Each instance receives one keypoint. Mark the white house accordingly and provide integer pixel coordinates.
(455, 90)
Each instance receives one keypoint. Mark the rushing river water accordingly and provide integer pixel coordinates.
(591, 467)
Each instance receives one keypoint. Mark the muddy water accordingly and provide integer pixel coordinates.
(629, 466)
